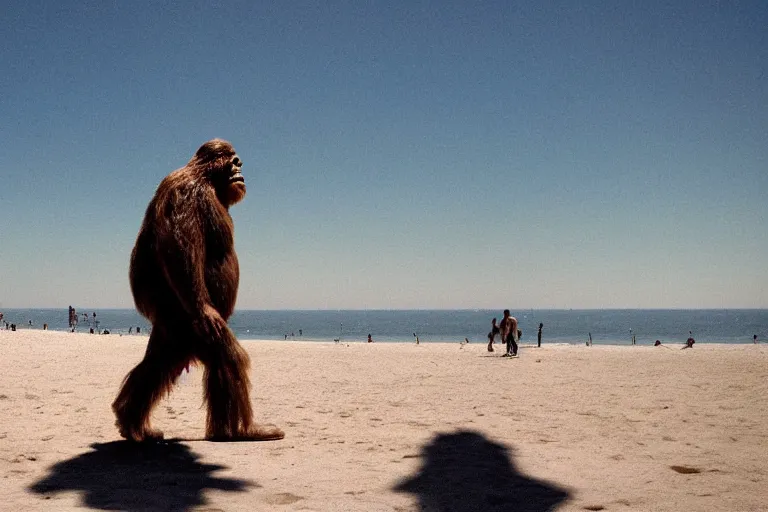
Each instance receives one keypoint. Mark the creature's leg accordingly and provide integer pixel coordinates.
(227, 386)
(145, 385)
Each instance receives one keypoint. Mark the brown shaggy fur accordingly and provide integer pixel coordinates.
(184, 276)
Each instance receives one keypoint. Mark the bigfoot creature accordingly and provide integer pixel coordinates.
(184, 276)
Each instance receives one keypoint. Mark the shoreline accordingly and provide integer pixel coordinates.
(396, 426)
(305, 339)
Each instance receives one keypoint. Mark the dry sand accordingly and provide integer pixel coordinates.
(396, 427)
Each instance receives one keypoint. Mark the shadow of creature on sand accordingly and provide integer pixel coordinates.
(465, 472)
(130, 476)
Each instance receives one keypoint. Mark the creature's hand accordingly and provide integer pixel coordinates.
(211, 324)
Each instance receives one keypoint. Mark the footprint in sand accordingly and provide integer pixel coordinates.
(283, 498)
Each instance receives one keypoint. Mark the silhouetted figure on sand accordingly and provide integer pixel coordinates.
(509, 333)
(491, 335)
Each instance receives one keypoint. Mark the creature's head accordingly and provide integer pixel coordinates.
(219, 163)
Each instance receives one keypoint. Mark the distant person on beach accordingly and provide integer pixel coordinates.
(508, 329)
(370, 340)
(45, 327)
(301, 332)
(138, 330)
(754, 338)
(541, 326)
(589, 343)
(690, 341)
(491, 335)
(130, 330)
(417, 338)
(658, 342)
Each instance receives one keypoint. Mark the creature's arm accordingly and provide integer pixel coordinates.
(181, 253)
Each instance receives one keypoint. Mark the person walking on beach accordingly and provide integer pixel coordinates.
(370, 340)
(540, 327)
(690, 341)
(754, 337)
(491, 335)
(508, 329)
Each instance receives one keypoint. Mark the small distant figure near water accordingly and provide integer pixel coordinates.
(45, 327)
(541, 326)
(657, 343)
(370, 340)
(300, 332)
(754, 337)
(30, 323)
(138, 330)
(589, 342)
(130, 330)
(491, 335)
(509, 332)
(417, 338)
(690, 341)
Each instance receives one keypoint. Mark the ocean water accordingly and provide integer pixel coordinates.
(560, 326)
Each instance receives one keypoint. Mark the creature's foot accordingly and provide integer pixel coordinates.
(255, 432)
(140, 435)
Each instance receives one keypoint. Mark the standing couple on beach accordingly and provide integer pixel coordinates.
(509, 334)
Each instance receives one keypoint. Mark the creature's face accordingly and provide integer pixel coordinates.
(233, 181)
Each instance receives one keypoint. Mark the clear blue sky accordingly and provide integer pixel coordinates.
(401, 154)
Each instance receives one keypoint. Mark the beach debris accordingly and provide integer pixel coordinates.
(685, 470)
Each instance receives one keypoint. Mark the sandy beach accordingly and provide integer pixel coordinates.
(396, 427)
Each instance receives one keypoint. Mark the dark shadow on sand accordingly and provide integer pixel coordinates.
(465, 471)
(130, 476)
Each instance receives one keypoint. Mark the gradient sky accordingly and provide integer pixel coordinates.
(398, 155)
